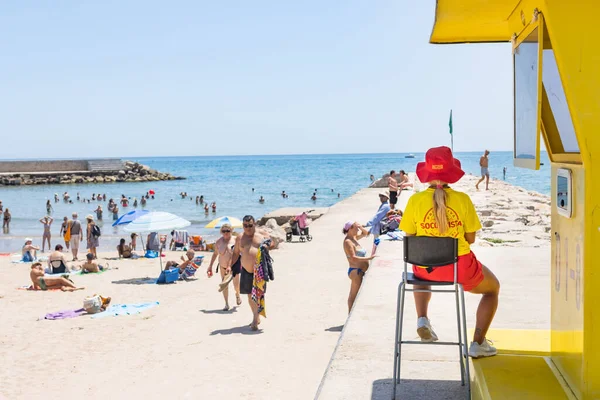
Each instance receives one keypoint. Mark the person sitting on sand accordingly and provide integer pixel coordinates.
(57, 262)
(41, 282)
(358, 260)
(123, 249)
(29, 251)
(404, 183)
(90, 266)
(441, 211)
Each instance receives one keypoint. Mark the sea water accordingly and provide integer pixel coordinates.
(228, 181)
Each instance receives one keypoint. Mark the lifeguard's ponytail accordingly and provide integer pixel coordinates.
(439, 206)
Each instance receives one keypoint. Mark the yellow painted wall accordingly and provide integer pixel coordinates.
(567, 283)
(572, 27)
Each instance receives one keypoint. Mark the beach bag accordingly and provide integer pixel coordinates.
(389, 224)
(96, 232)
(92, 304)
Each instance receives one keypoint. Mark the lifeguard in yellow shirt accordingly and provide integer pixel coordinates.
(441, 211)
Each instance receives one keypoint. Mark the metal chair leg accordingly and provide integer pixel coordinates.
(460, 336)
(466, 349)
(398, 337)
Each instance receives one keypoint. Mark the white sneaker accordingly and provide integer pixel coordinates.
(484, 349)
(425, 331)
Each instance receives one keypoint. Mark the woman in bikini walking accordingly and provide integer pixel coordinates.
(357, 257)
(224, 250)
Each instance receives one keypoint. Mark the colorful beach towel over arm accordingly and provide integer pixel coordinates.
(263, 272)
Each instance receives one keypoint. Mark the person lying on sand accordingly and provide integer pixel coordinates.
(90, 266)
(44, 283)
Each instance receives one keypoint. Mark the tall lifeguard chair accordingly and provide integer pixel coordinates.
(556, 63)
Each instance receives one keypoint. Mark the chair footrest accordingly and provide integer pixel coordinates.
(427, 343)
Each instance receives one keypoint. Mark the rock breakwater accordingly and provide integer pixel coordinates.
(129, 172)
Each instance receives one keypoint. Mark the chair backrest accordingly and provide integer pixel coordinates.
(427, 251)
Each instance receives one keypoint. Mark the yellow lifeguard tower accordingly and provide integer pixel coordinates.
(556, 58)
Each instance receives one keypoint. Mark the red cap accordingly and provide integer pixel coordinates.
(439, 165)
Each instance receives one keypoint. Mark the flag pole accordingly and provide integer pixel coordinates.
(451, 134)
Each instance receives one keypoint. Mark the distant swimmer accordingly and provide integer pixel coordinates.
(261, 200)
(314, 197)
(338, 195)
(485, 173)
(206, 208)
(214, 206)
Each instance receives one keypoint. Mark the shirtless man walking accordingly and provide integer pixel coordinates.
(246, 246)
(393, 187)
(224, 250)
(485, 173)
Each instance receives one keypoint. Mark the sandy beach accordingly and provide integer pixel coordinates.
(187, 348)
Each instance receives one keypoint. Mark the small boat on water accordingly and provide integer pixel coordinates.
(410, 156)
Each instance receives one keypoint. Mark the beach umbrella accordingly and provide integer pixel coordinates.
(129, 217)
(157, 221)
(219, 222)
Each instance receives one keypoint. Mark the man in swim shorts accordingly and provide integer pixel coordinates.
(393, 188)
(44, 283)
(246, 247)
(485, 173)
(224, 251)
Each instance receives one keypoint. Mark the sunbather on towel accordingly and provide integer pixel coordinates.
(44, 283)
(90, 266)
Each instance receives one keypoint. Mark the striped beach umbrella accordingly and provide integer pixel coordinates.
(219, 222)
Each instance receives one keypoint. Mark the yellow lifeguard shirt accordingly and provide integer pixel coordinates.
(419, 219)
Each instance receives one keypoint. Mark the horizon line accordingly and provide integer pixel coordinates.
(238, 155)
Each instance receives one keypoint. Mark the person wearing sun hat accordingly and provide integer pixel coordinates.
(441, 211)
(92, 240)
(29, 251)
(384, 208)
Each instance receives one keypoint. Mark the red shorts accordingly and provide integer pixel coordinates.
(470, 272)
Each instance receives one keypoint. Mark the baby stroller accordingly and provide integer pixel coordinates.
(299, 227)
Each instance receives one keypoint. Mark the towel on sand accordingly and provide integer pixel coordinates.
(65, 314)
(125, 309)
(20, 260)
(30, 287)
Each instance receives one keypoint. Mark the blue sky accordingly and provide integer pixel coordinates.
(145, 78)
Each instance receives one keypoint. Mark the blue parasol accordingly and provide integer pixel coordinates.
(129, 217)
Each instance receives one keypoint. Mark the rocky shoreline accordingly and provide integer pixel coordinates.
(131, 172)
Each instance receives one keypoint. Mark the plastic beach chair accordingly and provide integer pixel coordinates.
(432, 252)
